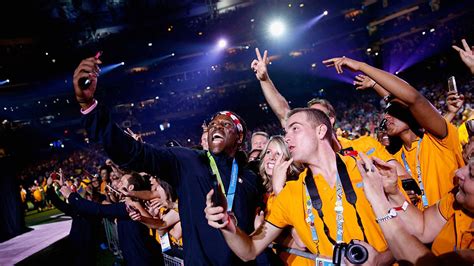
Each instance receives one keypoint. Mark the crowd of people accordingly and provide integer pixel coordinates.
(334, 182)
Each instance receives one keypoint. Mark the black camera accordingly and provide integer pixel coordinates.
(354, 253)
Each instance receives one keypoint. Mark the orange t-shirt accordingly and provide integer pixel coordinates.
(457, 231)
(439, 159)
(289, 208)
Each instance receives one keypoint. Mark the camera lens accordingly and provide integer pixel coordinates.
(356, 254)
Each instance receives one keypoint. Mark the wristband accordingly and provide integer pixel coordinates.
(92, 107)
(373, 85)
(403, 207)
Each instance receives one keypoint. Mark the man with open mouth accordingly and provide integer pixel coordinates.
(191, 172)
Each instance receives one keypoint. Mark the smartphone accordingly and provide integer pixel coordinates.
(411, 184)
(218, 198)
(452, 84)
(85, 82)
(114, 190)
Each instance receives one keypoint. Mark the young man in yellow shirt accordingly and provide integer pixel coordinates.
(345, 213)
(280, 107)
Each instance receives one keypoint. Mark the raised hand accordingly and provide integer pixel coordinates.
(363, 82)
(454, 101)
(65, 191)
(49, 181)
(89, 69)
(61, 177)
(466, 54)
(343, 62)
(135, 136)
(389, 176)
(153, 208)
(372, 179)
(259, 65)
(279, 174)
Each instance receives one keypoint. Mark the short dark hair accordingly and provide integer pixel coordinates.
(325, 103)
(169, 191)
(106, 168)
(401, 112)
(139, 182)
(315, 117)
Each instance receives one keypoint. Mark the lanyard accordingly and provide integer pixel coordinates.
(233, 180)
(339, 215)
(418, 172)
(313, 200)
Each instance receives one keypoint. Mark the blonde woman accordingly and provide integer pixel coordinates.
(276, 168)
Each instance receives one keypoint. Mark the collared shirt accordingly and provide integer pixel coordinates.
(289, 208)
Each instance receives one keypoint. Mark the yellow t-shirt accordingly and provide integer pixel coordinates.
(439, 159)
(368, 145)
(289, 208)
(37, 195)
(462, 132)
(287, 258)
(458, 224)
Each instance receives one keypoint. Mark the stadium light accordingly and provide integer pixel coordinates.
(222, 43)
(277, 28)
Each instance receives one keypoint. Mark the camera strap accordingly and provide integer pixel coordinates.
(233, 180)
(418, 172)
(343, 184)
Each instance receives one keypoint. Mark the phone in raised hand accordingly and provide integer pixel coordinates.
(452, 84)
(85, 82)
(114, 190)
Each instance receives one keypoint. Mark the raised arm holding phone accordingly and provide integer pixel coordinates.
(188, 171)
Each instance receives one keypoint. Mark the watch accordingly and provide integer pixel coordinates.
(392, 213)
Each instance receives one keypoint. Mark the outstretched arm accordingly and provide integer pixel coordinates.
(423, 111)
(123, 149)
(273, 97)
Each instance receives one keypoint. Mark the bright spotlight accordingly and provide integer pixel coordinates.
(277, 28)
(222, 43)
(150, 44)
(4, 81)
(172, 54)
(325, 12)
(122, 63)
